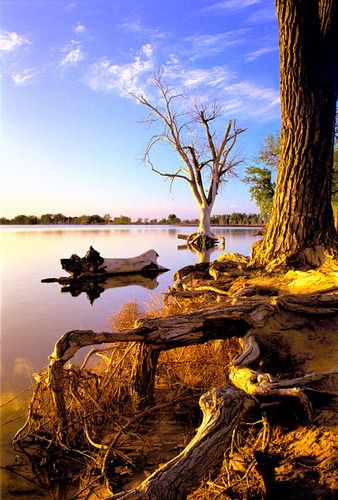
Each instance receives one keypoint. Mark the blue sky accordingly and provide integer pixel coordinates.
(73, 141)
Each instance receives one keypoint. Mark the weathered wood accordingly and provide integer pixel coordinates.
(160, 334)
(143, 376)
(222, 408)
(314, 304)
(203, 241)
(93, 265)
(176, 331)
(261, 385)
(145, 261)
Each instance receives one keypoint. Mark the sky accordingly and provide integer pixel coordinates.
(73, 139)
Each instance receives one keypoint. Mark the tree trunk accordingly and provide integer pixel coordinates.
(204, 225)
(301, 230)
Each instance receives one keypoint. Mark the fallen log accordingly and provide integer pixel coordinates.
(223, 409)
(93, 265)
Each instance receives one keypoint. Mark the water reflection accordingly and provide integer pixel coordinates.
(35, 315)
(94, 288)
(203, 255)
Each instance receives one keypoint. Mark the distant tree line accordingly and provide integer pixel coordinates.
(225, 219)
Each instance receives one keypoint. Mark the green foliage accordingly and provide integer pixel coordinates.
(259, 175)
(269, 153)
(123, 219)
(173, 219)
(262, 189)
(236, 218)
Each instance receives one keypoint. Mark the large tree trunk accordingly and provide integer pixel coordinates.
(301, 230)
(204, 225)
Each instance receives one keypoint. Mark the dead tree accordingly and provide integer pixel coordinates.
(207, 162)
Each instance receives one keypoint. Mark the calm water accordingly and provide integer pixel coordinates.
(34, 314)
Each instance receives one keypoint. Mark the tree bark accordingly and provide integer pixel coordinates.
(301, 231)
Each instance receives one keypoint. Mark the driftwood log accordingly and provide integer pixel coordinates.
(93, 265)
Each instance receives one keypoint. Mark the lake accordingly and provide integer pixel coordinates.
(34, 314)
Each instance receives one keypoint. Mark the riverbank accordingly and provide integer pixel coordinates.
(297, 338)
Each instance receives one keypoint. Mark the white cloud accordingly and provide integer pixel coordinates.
(255, 54)
(70, 7)
(209, 45)
(10, 40)
(248, 99)
(267, 14)
(213, 77)
(147, 50)
(108, 77)
(24, 77)
(79, 28)
(135, 26)
(225, 5)
(240, 99)
(73, 54)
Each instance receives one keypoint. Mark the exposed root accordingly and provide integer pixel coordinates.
(261, 385)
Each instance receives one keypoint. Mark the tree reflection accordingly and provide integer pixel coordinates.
(204, 255)
(95, 287)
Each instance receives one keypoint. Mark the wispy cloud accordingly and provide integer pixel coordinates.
(226, 5)
(196, 78)
(239, 98)
(106, 76)
(136, 27)
(73, 54)
(255, 54)
(79, 28)
(208, 45)
(70, 6)
(249, 99)
(11, 40)
(25, 77)
(266, 14)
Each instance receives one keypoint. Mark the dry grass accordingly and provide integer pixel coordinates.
(108, 442)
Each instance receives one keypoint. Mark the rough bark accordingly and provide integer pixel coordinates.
(222, 408)
(301, 231)
(143, 376)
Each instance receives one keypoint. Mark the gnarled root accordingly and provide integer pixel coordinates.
(222, 408)
(260, 385)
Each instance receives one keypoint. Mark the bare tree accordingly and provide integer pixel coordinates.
(207, 162)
